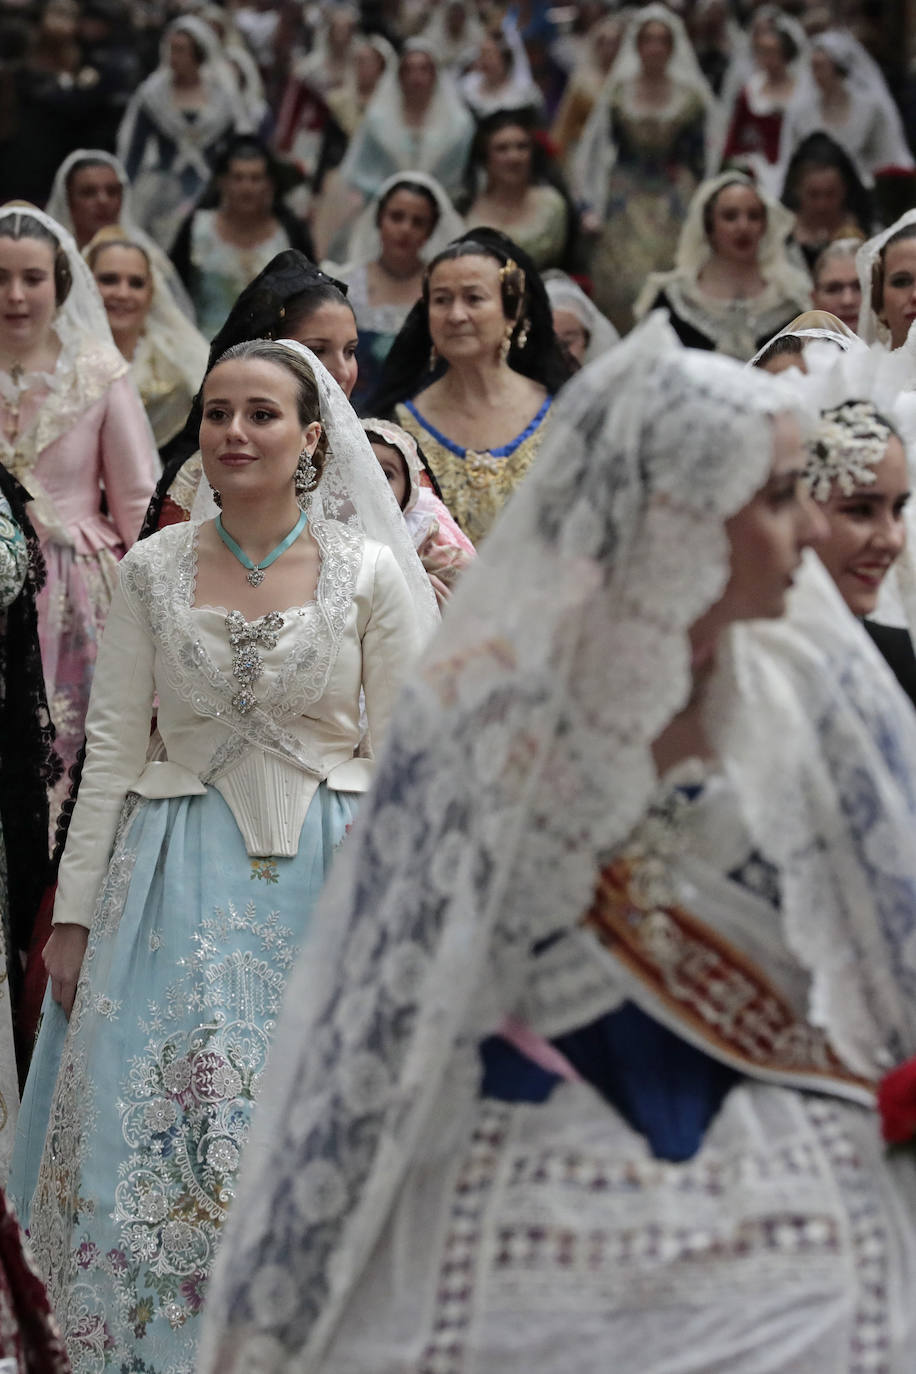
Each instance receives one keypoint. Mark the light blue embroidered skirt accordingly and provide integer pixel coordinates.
(137, 1113)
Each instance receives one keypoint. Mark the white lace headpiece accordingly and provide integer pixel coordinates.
(845, 448)
(861, 405)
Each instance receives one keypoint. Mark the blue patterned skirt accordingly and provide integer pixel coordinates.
(135, 1115)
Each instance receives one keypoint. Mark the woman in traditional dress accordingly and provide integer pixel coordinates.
(515, 190)
(887, 275)
(416, 121)
(91, 191)
(239, 225)
(473, 373)
(641, 157)
(671, 843)
(406, 223)
(187, 882)
(500, 78)
(757, 109)
(173, 125)
(733, 286)
(71, 422)
(848, 99)
(291, 298)
(453, 31)
(167, 355)
(826, 197)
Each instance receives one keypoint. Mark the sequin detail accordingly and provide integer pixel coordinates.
(246, 637)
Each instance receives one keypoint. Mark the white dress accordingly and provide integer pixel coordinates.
(196, 871)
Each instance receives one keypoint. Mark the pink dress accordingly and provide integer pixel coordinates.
(79, 432)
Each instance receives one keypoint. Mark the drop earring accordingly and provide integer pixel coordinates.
(217, 498)
(306, 479)
(433, 358)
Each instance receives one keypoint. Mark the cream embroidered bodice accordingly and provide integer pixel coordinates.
(359, 632)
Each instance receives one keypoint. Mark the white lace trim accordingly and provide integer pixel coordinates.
(161, 591)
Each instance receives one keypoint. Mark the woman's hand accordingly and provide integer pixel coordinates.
(63, 958)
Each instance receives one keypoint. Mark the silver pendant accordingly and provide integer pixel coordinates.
(255, 577)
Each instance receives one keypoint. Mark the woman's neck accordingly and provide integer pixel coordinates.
(127, 340)
(186, 82)
(508, 196)
(259, 526)
(245, 227)
(400, 271)
(835, 100)
(39, 357)
(470, 386)
(415, 109)
(731, 280)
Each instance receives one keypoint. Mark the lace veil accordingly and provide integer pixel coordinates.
(365, 243)
(170, 350)
(814, 326)
(871, 328)
(58, 208)
(519, 759)
(565, 294)
(353, 489)
(82, 315)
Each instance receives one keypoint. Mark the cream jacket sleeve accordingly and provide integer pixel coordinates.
(391, 643)
(117, 737)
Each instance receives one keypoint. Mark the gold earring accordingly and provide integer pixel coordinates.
(433, 358)
(506, 343)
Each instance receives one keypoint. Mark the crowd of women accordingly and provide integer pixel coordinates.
(457, 693)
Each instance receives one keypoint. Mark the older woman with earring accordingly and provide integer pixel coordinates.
(187, 882)
(733, 287)
(473, 372)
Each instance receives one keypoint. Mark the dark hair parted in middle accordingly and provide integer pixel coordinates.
(524, 297)
(308, 404)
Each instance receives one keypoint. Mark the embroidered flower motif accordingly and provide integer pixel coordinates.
(176, 1077)
(265, 870)
(192, 1290)
(223, 1156)
(160, 1115)
(87, 1254)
